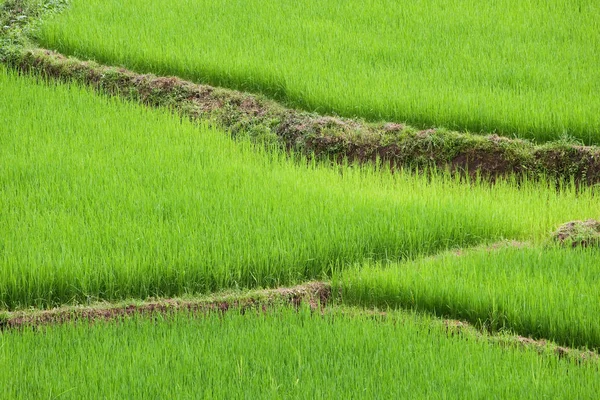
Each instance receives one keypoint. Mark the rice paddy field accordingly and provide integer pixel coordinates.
(305, 356)
(540, 292)
(435, 284)
(103, 199)
(518, 68)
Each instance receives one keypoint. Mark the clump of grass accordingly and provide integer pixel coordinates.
(457, 64)
(578, 233)
(280, 353)
(541, 292)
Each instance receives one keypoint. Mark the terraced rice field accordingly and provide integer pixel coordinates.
(281, 353)
(137, 244)
(541, 292)
(103, 199)
(513, 67)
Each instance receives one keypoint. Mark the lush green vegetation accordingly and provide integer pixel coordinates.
(510, 66)
(543, 292)
(104, 199)
(279, 354)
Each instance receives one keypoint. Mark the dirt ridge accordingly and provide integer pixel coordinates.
(315, 294)
(266, 121)
(325, 137)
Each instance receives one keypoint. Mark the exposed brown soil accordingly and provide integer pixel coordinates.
(324, 137)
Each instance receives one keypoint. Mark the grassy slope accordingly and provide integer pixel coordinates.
(104, 199)
(507, 66)
(307, 356)
(541, 292)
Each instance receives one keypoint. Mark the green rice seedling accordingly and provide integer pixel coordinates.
(511, 67)
(547, 293)
(281, 353)
(102, 199)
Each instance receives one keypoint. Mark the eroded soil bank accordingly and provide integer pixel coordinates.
(325, 137)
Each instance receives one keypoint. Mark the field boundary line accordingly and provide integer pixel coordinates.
(316, 295)
(325, 137)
